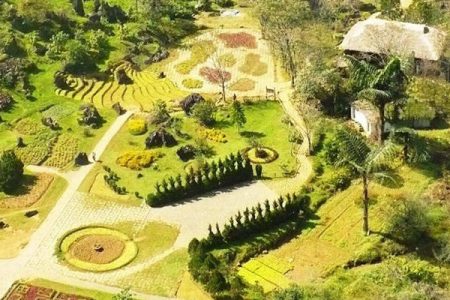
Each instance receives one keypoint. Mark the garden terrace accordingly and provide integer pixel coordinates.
(146, 88)
(223, 138)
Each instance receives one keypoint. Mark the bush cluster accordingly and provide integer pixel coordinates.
(232, 170)
(212, 135)
(192, 83)
(111, 180)
(136, 160)
(137, 126)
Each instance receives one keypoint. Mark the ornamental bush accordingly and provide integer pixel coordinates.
(137, 160)
(137, 126)
(11, 171)
(212, 135)
(232, 170)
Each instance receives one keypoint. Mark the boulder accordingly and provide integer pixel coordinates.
(31, 213)
(188, 103)
(3, 225)
(118, 108)
(5, 101)
(160, 138)
(81, 159)
(186, 153)
(89, 116)
(122, 77)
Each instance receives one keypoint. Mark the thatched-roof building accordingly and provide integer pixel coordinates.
(383, 37)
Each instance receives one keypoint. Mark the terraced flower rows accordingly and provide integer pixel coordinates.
(142, 93)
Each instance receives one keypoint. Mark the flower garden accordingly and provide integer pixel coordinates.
(240, 58)
(140, 170)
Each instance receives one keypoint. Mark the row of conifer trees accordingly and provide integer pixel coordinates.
(211, 176)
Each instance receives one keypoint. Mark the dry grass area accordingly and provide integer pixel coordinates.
(253, 65)
(337, 236)
(97, 248)
(17, 235)
(190, 290)
(243, 85)
(30, 193)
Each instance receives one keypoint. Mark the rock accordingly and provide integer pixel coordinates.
(81, 159)
(188, 103)
(122, 77)
(90, 116)
(31, 213)
(186, 153)
(159, 138)
(5, 101)
(3, 225)
(118, 109)
(20, 143)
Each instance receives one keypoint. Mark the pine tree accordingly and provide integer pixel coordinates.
(238, 115)
(11, 171)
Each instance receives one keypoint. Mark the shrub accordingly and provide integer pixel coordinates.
(137, 160)
(137, 126)
(337, 180)
(192, 83)
(212, 135)
(28, 126)
(112, 179)
(5, 101)
(160, 113)
(232, 170)
(11, 171)
(204, 112)
(237, 40)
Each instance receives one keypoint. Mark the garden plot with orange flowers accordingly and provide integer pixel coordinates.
(238, 57)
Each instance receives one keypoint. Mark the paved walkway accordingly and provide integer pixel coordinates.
(11, 270)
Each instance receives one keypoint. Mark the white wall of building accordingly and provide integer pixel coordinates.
(360, 118)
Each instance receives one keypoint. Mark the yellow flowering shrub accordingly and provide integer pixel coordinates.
(137, 126)
(212, 135)
(138, 159)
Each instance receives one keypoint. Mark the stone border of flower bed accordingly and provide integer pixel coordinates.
(128, 254)
(273, 155)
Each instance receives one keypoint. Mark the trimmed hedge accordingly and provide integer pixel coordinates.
(232, 170)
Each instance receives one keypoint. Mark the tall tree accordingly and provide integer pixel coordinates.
(11, 171)
(378, 86)
(281, 22)
(238, 115)
(368, 162)
(414, 148)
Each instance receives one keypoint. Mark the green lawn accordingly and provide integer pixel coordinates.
(264, 119)
(163, 278)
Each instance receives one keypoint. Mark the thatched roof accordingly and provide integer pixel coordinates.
(380, 36)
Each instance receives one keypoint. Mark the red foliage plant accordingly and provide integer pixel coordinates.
(215, 75)
(237, 40)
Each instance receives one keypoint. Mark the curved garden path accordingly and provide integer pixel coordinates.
(192, 217)
(11, 270)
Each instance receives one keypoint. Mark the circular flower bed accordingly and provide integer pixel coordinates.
(261, 155)
(97, 249)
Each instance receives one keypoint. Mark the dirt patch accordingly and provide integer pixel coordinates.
(33, 189)
(97, 249)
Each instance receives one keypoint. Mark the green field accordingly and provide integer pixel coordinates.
(272, 133)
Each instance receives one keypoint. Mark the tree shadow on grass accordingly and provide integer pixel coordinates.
(394, 181)
(252, 134)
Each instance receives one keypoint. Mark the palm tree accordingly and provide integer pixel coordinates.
(378, 86)
(414, 148)
(368, 162)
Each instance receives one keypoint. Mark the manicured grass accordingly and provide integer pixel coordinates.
(264, 273)
(190, 290)
(163, 278)
(70, 289)
(14, 238)
(274, 133)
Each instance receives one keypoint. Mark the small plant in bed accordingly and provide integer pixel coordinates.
(238, 40)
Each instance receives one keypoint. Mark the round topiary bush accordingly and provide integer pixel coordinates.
(137, 126)
(260, 155)
(97, 249)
